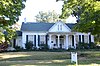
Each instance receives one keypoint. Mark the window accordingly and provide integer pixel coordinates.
(42, 39)
(60, 27)
(30, 38)
(85, 38)
(41, 42)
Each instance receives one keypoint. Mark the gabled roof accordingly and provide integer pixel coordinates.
(41, 26)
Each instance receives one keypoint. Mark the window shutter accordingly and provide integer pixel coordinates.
(83, 38)
(26, 38)
(38, 40)
(34, 40)
(14, 43)
(79, 38)
(46, 38)
(89, 38)
(72, 40)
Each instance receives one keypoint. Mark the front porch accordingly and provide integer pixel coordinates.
(62, 41)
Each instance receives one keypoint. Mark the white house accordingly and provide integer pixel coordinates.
(56, 35)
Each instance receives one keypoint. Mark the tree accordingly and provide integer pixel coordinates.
(47, 16)
(10, 10)
(9, 34)
(97, 39)
(87, 13)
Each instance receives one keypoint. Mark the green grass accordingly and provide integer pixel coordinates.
(34, 58)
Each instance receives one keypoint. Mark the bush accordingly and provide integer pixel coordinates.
(71, 49)
(97, 47)
(44, 47)
(3, 46)
(56, 50)
(92, 45)
(18, 48)
(82, 45)
(29, 45)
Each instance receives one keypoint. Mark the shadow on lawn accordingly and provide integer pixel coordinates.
(25, 58)
(50, 59)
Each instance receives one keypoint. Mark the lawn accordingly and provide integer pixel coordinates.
(36, 58)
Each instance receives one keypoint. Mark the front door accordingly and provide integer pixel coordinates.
(61, 41)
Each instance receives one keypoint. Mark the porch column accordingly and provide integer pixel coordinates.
(75, 41)
(50, 42)
(37, 41)
(66, 45)
(58, 41)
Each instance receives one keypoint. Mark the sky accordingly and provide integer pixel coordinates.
(34, 6)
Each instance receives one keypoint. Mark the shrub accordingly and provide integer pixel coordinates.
(92, 45)
(71, 49)
(82, 45)
(44, 46)
(18, 48)
(97, 47)
(29, 45)
(3, 46)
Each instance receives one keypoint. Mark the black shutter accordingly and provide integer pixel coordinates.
(38, 40)
(57, 0)
(14, 43)
(79, 38)
(89, 38)
(72, 40)
(34, 40)
(26, 38)
(46, 37)
(83, 38)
